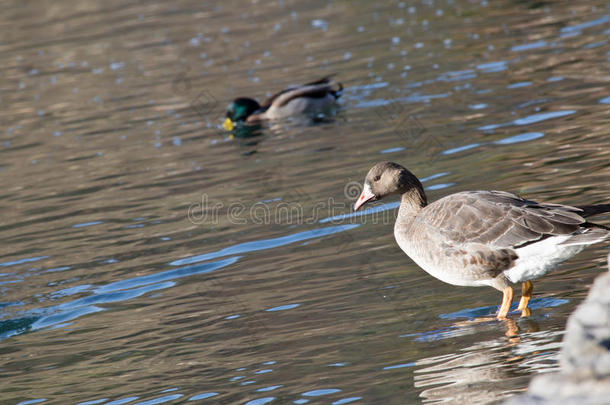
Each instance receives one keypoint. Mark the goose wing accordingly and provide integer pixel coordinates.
(498, 219)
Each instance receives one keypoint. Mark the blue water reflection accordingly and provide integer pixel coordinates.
(113, 292)
(265, 244)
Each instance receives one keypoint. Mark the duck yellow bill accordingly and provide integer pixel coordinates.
(228, 125)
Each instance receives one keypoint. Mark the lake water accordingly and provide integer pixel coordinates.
(150, 258)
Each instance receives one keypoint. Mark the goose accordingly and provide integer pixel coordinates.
(483, 238)
(310, 99)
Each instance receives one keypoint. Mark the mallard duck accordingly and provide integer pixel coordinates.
(475, 238)
(310, 99)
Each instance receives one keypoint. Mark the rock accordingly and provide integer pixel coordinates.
(584, 376)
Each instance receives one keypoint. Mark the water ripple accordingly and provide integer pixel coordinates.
(22, 261)
(321, 392)
(346, 400)
(205, 395)
(265, 244)
(123, 290)
(401, 365)
(579, 27)
(528, 136)
(283, 307)
(160, 400)
(260, 401)
(527, 47)
(530, 119)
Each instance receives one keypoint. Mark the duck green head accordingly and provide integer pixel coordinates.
(239, 110)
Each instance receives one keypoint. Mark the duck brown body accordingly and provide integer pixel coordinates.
(310, 99)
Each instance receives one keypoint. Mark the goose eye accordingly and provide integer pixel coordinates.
(376, 178)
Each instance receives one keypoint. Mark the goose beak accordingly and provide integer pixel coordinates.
(228, 125)
(366, 196)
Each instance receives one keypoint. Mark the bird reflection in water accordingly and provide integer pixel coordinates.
(489, 370)
(251, 135)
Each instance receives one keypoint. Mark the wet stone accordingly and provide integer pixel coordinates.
(584, 378)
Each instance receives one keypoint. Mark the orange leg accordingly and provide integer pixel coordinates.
(507, 299)
(526, 294)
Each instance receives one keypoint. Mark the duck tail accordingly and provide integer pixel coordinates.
(590, 210)
(337, 93)
(590, 234)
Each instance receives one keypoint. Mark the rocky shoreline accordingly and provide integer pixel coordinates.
(584, 376)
